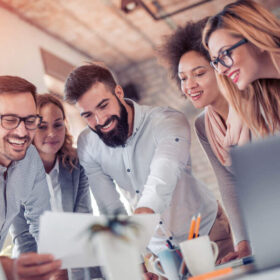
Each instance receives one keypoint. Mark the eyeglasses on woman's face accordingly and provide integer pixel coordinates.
(225, 56)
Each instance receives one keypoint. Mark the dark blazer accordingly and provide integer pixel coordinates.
(74, 190)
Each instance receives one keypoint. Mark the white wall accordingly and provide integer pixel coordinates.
(20, 50)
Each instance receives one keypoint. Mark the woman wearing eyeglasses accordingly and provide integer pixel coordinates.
(67, 182)
(216, 127)
(244, 44)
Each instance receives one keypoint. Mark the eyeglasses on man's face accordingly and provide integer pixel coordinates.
(11, 121)
(225, 56)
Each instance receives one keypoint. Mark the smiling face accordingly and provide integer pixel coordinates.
(50, 134)
(247, 59)
(14, 143)
(198, 81)
(105, 113)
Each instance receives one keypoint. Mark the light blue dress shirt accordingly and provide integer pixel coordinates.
(152, 169)
(25, 185)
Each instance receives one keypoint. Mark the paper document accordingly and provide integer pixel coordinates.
(66, 236)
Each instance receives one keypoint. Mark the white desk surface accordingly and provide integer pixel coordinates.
(270, 274)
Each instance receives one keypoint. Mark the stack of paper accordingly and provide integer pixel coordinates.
(66, 236)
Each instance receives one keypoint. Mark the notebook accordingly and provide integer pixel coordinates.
(257, 169)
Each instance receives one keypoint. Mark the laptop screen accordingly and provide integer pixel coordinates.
(257, 170)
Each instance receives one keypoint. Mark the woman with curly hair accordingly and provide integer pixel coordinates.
(244, 43)
(67, 182)
(217, 127)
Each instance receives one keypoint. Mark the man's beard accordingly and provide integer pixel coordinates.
(117, 136)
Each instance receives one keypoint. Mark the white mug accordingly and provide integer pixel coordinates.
(200, 254)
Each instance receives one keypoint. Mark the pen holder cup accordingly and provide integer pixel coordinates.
(200, 254)
(169, 264)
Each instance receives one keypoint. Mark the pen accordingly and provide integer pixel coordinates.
(169, 244)
(237, 262)
(192, 228)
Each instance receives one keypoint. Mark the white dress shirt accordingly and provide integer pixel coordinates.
(152, 168)
(54, 188)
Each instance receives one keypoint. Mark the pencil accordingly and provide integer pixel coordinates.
(197, 224)
(192, 228)
(213, 274)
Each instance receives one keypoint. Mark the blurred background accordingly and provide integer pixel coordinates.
(43, 40)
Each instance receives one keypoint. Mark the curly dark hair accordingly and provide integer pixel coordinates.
(185, 39)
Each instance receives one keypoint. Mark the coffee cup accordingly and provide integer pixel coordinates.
(200, 254)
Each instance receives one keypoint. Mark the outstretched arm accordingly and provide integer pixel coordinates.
(171, 135)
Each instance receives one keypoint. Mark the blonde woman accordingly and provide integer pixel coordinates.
(244, 44)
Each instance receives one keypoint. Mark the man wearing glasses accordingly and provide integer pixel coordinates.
(22, 176)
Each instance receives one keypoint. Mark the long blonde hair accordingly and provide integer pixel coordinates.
(67, 154)
(259, 103)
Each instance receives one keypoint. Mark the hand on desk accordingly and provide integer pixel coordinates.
(242, 250)
(30, 266)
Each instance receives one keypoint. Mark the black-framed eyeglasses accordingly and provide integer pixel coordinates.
(225, 56)
(11, 121)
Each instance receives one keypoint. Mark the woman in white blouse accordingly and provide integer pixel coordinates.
(67, 182)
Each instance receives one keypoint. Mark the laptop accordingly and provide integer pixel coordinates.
(257, 169)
